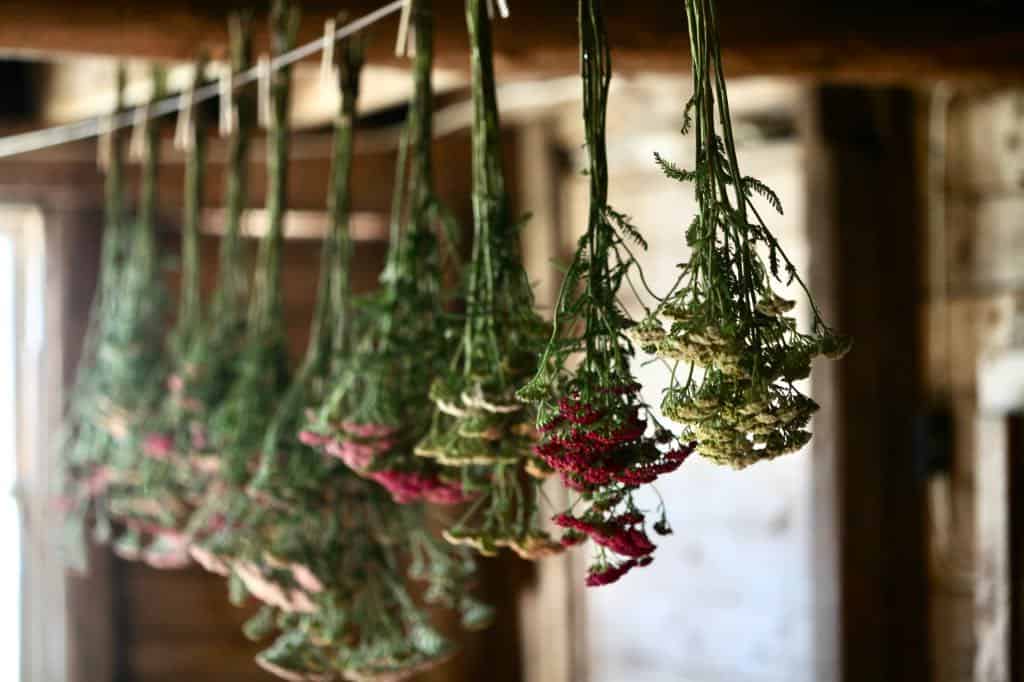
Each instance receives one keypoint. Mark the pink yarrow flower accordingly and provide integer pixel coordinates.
(158, 445)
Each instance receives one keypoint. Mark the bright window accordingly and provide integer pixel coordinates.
(10, 524)
(31, 582)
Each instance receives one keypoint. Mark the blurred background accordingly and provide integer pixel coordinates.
(894, 135)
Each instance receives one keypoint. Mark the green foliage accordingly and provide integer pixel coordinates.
(118, 377)
(724, 315)
(479, 433)
(672, 171)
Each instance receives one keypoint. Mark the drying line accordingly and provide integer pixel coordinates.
(92, 127)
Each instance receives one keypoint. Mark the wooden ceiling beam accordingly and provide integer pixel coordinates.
(870, 40)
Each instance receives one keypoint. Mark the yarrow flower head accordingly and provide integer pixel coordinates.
(724, 318)
(596, 432)
(480, 433)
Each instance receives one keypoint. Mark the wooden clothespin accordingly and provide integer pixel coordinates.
(183, 130)
(328, 68)
(265, 112)
(105, 143)
(327, 55)
(404, 30)
(225, 92)
(137, 142)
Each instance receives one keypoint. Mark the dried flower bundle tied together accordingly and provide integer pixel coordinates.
(479, 430)
(724, 317)
(378, 409)
(180, 459)
(596, 431)
(238, 424)
(159, 512)
(326, 550)
(122, 359)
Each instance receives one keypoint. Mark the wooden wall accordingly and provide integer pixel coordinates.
(975, 286)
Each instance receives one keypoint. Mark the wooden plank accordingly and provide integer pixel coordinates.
(180, 605)
(982, 170)
(300, 224)
(986, 240)
(864, 237)
(992, 586)
(78, 88)
(825, 382)
(987, 156)
(223, 660)
(74, 166)
(550, 627)
(871, 40)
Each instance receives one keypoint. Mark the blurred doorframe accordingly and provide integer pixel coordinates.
(67, 620)
(865, 231)
(41, 576)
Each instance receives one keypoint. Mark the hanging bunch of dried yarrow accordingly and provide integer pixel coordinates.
(238, 425)
(203, 348)
(159, 522)
(123, 356)
(378, 409)
(83, 440)
(737, 350)
(361, 620)
(596, 431)
(479, 430)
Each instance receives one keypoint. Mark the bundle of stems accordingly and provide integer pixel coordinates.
(737, 352)
(123, 356)
(330, 551)
(238, 425)
(83, 440)
(596, 430)
(325, 550)
(204, 347)
(377, 409)
(479, 429)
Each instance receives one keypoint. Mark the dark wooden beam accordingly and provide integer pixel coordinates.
(865, 251)
(873, 40)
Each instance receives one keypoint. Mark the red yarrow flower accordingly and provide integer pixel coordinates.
(611, 574)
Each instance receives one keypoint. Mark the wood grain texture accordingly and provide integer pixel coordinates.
(872, 40)
(866, 237)
(975, 251)
(550, 604)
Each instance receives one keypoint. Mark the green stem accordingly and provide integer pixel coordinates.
(189, 306)
(145, 237)
(334, 298)
(268, 304)
(231, 287)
